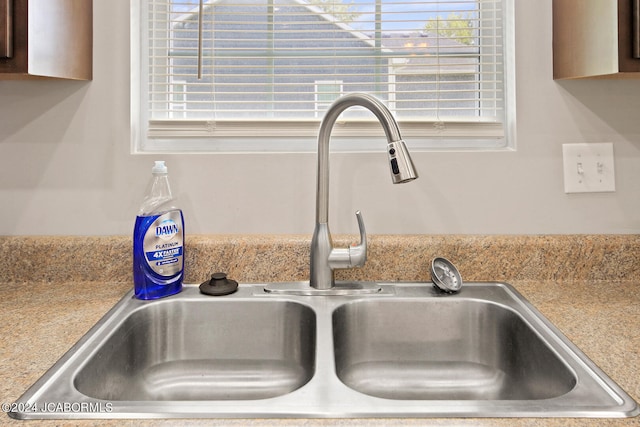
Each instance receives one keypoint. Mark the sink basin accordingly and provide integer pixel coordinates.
(406, 351)
(444, 349)
(203, 350)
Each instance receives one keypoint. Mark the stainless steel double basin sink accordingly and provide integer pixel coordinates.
(406, 351)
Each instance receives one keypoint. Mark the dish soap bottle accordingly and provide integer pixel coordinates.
(158, 241)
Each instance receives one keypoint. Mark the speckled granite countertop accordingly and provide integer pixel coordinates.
(46, 306)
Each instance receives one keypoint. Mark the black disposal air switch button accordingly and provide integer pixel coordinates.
(392, 151)
(394, 166)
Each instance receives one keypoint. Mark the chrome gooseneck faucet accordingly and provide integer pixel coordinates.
(324, 257)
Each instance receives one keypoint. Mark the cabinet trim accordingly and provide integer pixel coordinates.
(636, 28)
(6, 28)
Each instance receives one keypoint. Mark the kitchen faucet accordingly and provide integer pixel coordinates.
(324, 257)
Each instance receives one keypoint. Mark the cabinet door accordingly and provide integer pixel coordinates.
(6, 29)
(595, 38)
(46, 39)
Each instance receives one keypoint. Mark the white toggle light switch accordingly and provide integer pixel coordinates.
(588, 168)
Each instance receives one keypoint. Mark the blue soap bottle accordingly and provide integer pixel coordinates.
(158, 240)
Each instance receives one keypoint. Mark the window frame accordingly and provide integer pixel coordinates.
(231, 136)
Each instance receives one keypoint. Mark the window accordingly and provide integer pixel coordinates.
(258, 74)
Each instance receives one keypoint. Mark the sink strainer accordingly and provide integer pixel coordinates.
(445, 276)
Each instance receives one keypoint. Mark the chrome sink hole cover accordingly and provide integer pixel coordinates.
(445, 275)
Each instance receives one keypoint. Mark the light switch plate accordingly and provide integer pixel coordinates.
(588, 168)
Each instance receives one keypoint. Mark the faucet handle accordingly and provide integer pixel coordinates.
(358, 253)
(355, 256)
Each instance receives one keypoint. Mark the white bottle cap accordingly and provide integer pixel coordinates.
(159, 167)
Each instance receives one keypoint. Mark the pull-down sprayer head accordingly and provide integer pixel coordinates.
(402, 169)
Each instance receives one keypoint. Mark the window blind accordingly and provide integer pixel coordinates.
(272, 67)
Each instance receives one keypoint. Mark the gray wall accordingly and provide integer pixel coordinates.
(66, 167)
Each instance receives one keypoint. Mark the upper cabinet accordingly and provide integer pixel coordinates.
(42, 39)
(596, 39)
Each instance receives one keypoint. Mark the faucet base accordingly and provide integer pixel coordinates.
(340, 288)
